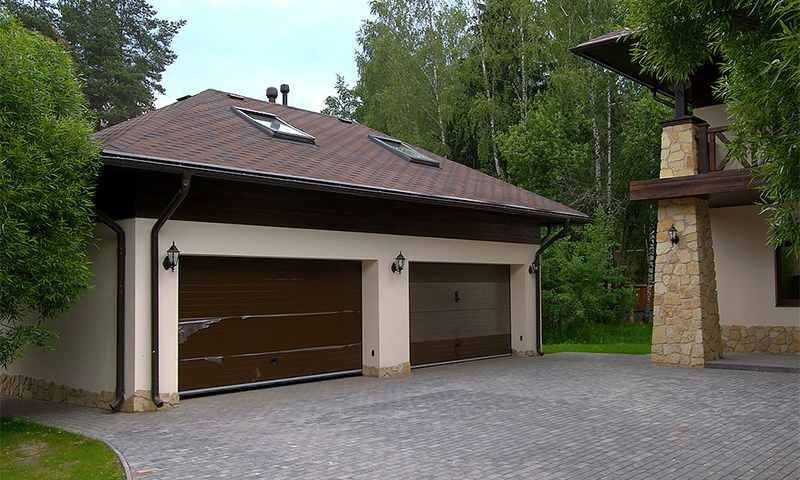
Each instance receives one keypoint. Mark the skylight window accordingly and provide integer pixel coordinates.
(406, 151)
(274, 125)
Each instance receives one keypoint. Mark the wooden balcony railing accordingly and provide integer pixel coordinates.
(714, 154)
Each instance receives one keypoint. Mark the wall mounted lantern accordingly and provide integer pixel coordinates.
(399, 263)
(171, 260)
(673, 234)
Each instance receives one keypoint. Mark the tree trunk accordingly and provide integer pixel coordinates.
(436, 86)
(488, 92)
(523, 107)
(598, 167)
(608, 148)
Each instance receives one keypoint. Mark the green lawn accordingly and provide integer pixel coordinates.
(32, 451)
(630, 348)
(600, 338)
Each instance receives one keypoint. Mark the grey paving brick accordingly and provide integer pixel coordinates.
(563, 416)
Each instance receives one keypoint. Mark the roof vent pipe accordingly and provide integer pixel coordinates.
(272, 94)
(285, 92)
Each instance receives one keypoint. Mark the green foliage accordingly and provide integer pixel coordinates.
(551, 153)
(119, 46)
(580, 283)
(757, 45)
(345, 103)
(518, 105)
(407, 67)
(48, 164)
(32, 451)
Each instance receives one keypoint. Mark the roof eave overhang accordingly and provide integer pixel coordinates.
(613, 53)
(145, 162)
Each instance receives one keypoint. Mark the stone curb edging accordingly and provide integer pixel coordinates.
(752, 368)
(122, 460)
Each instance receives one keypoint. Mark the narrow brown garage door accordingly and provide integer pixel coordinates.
(459, 312)
(244, 321)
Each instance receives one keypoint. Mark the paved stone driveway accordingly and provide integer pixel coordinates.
(565, 416)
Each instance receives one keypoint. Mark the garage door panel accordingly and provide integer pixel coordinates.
(474, 323)
(237, 335)
(449, 272)
(244, 320)
(448, 327)
(263, 303)
(459, 349)
(235, 370)
(429, 296)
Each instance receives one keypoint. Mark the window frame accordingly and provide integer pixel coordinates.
(300, 136)
(397, 146)
(780, 301)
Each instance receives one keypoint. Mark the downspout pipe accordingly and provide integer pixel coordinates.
(155, 264)
(121, 255)
(536, 269)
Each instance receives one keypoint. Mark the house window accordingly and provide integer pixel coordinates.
(787, 270)
(399, 147)
(273, 125)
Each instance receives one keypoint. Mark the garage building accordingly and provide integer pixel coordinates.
(305, 246)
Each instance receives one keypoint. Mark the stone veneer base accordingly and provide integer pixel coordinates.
(524, 353)
(760, 339)
(383, 372)
(38, 389)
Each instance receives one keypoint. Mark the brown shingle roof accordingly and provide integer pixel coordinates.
(202, 132)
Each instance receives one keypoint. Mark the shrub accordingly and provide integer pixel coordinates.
(581, 285)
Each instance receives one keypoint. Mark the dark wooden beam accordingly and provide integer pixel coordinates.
(728, 181)
(681, 104)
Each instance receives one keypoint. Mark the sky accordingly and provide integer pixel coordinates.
(245, 46)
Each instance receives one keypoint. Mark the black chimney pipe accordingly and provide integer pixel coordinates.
(272, 94)
(285, 92)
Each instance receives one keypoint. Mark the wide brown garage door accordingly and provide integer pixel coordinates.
(459, 312)
(245, 321)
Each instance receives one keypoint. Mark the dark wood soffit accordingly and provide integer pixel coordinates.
(126, 194)
(725, 182)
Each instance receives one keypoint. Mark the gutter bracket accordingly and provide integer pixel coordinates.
(535, 269)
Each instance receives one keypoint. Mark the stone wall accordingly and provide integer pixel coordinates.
(38, 389)
(759, 339)
(685, 311)
(383, 372)
(524, 353)
(679, 150)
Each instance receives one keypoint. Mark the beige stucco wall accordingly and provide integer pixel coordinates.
(746, 270)
(84, 354)
(715, 115)
(385, 294)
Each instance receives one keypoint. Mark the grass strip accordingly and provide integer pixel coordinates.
(629, 348)
(598, 333)
(32, 451)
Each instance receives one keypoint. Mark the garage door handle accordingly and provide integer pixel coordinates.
(273, 361)
(458, 299)
(458, 344)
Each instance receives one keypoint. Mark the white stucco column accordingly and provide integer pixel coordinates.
(523, 312)
(386, 337)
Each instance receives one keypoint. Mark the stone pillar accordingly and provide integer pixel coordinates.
(679, 152)
(686, 329)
